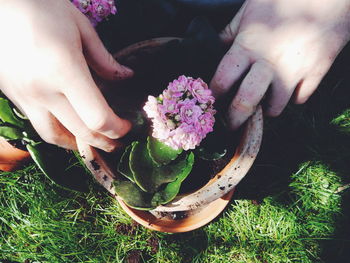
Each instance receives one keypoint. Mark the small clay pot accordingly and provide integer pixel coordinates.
(193, 210)
(11, 158)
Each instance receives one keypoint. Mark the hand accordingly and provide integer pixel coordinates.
(285, 46)
(46, 49)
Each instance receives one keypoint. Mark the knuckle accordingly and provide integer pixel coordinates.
(263, 77)
(242, 106)
(219, 86)
(99, 124)
(86, 135)
(35, 88)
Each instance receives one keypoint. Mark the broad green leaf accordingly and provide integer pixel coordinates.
(123, 165)
(173, 188)
(59, 165)
(161, 153)
(38, 157)
(148, 176)
(132, 195)
(10, 133)
(7, 115)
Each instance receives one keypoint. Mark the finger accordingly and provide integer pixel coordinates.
(250, 93)
(89, 103)
(49, 128)
(97, 56)
(308, 86)
(235, 62)
(281, 92)
(68, 117)
(230, 31)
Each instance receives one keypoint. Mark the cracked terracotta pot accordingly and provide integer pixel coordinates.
(192, 210)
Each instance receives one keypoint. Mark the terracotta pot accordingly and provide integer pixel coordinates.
(190, 211)
(11, 158)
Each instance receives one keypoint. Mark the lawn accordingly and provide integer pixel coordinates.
(293, 206)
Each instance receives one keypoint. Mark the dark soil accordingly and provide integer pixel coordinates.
(153, 242)
(127, 229)
(134, 256)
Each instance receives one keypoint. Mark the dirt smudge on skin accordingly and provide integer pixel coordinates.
(95, 165)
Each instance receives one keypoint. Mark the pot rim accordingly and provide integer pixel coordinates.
(192, 222)
(239, 165)
(212, 196)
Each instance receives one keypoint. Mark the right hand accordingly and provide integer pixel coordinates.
(46, 49)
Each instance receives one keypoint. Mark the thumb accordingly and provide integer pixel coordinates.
(231, 30)
(97, 56)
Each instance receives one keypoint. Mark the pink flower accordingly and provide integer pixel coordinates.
(206, 123)
(189, 111)
(200, 91)
(178, 87)
(183, 114)
(169, 106)
(102, 9)
(83, 5)
(151, 107)
(96, 10)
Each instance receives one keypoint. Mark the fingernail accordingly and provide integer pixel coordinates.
(127, 125)
(127, 69)
(235, 125)
(111, 147)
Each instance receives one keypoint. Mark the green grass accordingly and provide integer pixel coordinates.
(43, 223)
(293, 206)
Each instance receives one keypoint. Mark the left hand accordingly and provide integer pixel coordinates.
(288, 45)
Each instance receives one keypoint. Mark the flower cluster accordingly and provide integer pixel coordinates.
(183, 114)
(96, 10)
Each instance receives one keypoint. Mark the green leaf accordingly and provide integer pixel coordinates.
(148, 176)
(7, 115)
(37, 157)
(161, 153)
(173, 188)
(10, 133)
(123, 165)
(210, 154)
(133, 196)
(59, 165)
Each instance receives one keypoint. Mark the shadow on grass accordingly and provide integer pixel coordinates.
(190, 244)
